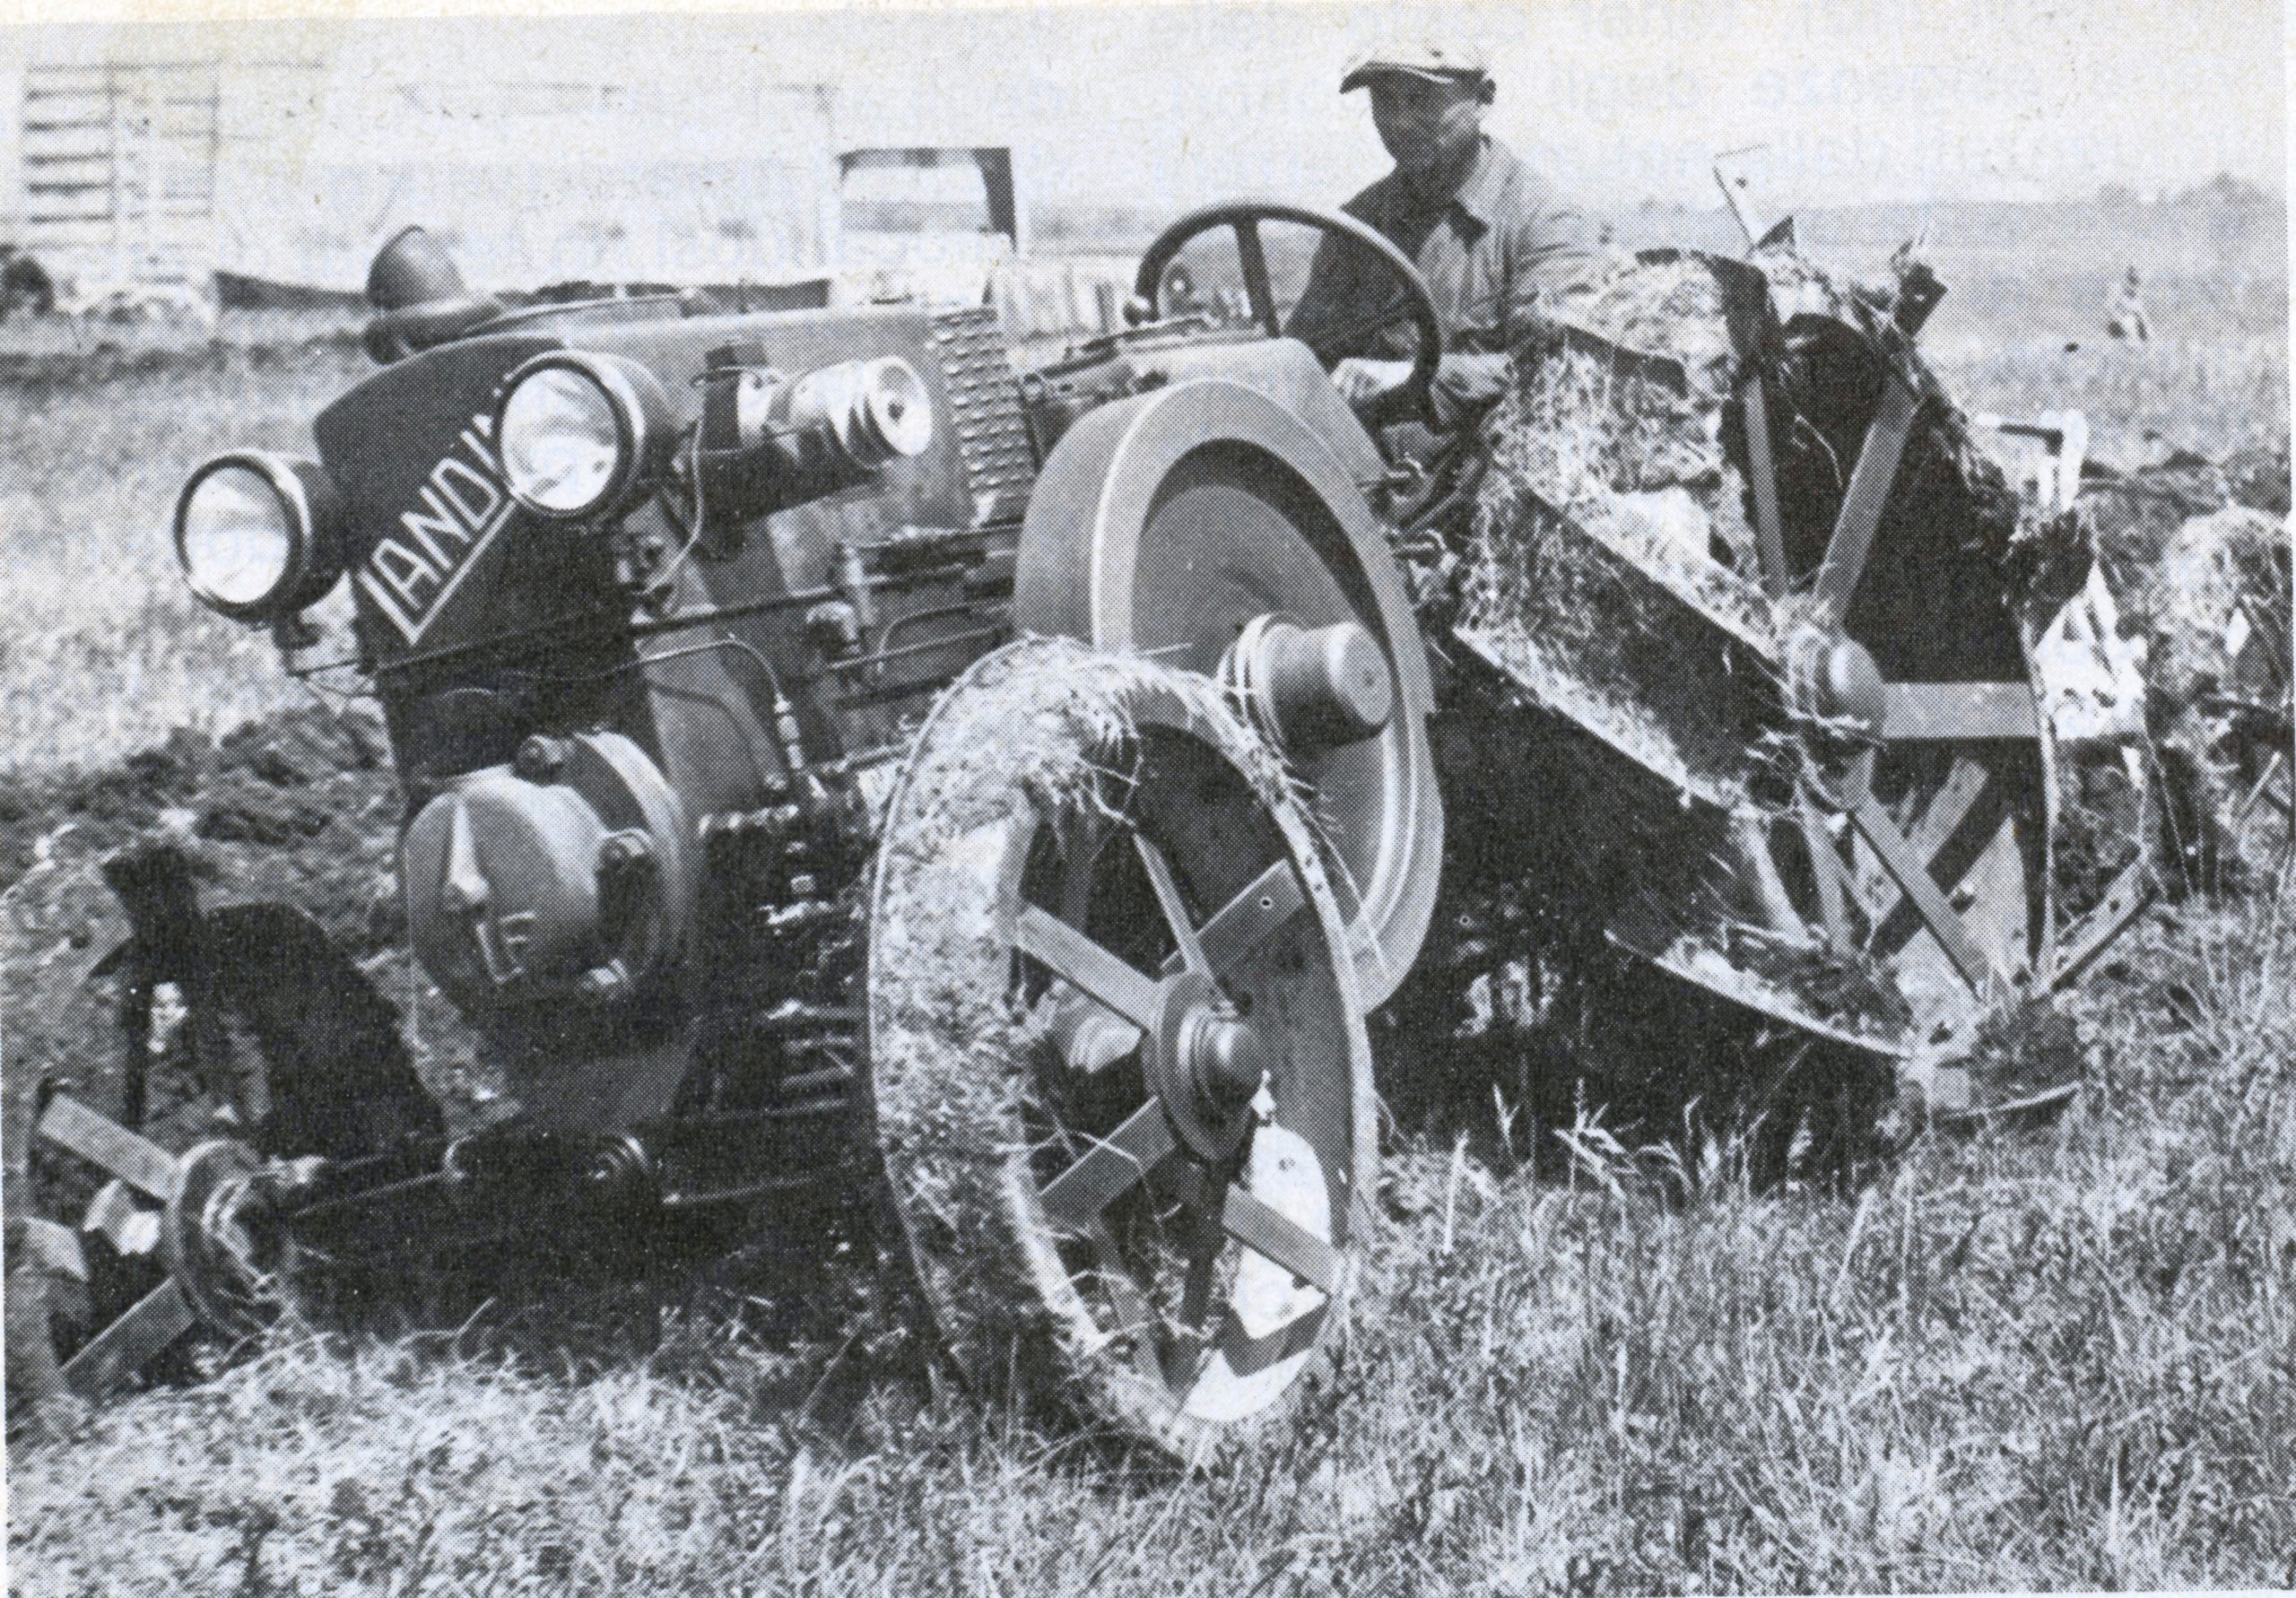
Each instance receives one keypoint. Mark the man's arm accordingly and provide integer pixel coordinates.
(1549, 252)
(1558, 252)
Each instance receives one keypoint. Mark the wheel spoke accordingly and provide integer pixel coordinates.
(1825, 866)
(1202, 1271)
(1085, 966)
(1192, 1337)
(1112, 1168)
(1270, 1233)
(1911, 874)
(1960, 712)
(1135, 1318)
(1168, 896)
(1252, 256)
(1860, 785)
(1756, 843)
(1950, 836)
(1248, 920)
(1937, 824)
(130, 1342)
(2129, 893)
(1867, 496)
(2262, 791)
(1775, 576)
(103, 1143)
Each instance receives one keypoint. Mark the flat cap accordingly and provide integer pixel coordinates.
(1418, 58)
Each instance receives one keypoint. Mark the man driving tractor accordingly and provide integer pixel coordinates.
(1493, 239)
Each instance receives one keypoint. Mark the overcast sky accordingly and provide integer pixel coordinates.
(1912, 99)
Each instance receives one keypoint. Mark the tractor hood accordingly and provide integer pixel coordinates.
(439, 554)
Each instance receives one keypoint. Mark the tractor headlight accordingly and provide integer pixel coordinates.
(259, 535)
(580, 434)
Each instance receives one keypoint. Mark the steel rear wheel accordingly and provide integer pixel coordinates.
(1919, 833)
(1119, 1059)
(1929, 859)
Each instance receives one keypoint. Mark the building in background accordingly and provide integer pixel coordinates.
(176, 182)
(146, 175)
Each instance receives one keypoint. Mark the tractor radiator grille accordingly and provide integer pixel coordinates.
(1000, 467)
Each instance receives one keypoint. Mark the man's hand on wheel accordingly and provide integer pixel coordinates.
(1359, 380)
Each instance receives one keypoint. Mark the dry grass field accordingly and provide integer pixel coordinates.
(105, 650)
(2059, 1357)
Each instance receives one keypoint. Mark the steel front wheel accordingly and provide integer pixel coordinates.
(168, 1245)
(1119, 1059)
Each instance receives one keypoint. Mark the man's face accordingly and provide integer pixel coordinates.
(1426, 124)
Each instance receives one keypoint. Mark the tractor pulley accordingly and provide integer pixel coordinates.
(1206, 528)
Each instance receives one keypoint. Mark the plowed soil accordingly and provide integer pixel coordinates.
(300, 807)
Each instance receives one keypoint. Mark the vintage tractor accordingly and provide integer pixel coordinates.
(833, 756)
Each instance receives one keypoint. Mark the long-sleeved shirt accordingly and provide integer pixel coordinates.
(1503, 241)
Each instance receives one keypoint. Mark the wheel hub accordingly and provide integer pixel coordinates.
(1309, 690)
(1205, 1065)
(212, 1234)
(1225, 1056)
(1834, 682)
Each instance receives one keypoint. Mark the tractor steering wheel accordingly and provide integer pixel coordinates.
(1416, 303)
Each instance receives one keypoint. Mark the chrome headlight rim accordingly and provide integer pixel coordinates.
(635, 400)
(310, 516)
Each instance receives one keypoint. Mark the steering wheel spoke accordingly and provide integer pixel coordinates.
(1253, 256)
(1416, 302)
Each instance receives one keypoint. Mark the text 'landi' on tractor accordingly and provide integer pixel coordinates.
(834, 755)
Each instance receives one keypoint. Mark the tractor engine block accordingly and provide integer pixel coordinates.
(567, 875)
